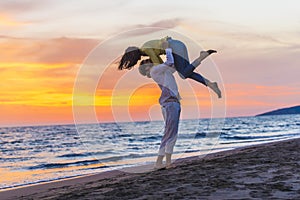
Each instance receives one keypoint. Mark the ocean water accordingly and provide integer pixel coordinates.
(44, 153)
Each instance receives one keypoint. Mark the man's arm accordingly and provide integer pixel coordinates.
(162, 68)
(170, 58)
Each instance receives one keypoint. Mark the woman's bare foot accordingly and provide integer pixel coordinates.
(205, 54)
(215, 88)
(211, 51)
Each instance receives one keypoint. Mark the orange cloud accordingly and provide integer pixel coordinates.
(16, 115)
(142, 100)
(37, 78)
(6, 21)
(51, 51)
(36, 84)
(143, 29)
(251, 99)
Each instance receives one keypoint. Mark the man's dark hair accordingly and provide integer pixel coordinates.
(143, 65)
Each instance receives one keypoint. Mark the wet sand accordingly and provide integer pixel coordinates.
(266, 171)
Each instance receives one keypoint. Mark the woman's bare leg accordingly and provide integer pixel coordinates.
(203, 55)
(214, 87)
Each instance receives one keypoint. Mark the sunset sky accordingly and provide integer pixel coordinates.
(46, 44)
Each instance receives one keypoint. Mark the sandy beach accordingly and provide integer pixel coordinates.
(266, 171)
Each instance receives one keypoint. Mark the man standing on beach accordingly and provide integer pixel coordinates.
(169, 100)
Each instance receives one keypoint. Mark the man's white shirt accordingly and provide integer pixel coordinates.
(163, 75)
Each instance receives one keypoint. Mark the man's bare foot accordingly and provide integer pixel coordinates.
(169, 165)
(168, 160)
(215, 88)
(159, 166)
(205, 54)
(159, 162)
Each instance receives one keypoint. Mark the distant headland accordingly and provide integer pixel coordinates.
(283, 111)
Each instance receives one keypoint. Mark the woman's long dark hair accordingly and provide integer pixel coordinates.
(130, 58)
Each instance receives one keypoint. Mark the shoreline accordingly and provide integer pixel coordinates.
(142, 162)
(115, 180)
